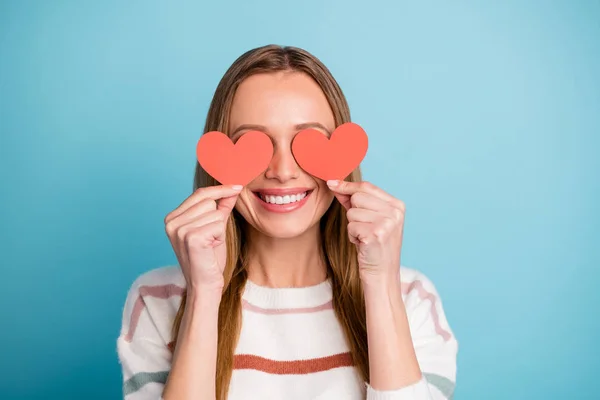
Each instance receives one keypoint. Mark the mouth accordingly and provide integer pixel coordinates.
(283, 199)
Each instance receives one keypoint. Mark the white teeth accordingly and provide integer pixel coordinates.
(288, 198)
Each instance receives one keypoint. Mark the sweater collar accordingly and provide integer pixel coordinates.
(288, 298)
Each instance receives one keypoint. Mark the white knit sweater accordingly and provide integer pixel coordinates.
(291, 344)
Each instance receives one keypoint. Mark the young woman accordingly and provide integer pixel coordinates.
(290, 287)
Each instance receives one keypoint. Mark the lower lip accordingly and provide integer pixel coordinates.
(283, 208)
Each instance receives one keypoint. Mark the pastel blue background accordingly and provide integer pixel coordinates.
(484, 118)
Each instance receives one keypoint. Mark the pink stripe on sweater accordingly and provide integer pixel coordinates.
(161, 292)
(279, 311)
(166, 291)
(425, 295)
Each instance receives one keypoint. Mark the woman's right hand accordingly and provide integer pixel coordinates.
(196, 230)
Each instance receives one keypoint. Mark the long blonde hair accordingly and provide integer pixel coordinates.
(340, 253)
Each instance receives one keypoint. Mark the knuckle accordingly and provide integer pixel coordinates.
(356, 196)
(380, 232)
(350, 213)
(169, 227)
(389, 224)
(384, 228)
(398, 214)
(181, 234)
(351, 227)
(207, 205)
(193, 239)
(401, 205)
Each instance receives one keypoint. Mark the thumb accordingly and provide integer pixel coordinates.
(344, 199)
(336, 188)
(226, 204)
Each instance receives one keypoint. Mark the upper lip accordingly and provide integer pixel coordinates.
(282, 191)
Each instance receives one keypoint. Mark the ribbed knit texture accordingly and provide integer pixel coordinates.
(291, 344)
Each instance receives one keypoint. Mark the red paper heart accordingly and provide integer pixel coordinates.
(234, 164)
(331, 158)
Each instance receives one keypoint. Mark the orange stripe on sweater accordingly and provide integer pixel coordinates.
(295, 367)
(160, 291)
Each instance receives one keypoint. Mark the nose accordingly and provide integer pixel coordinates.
(283, 166)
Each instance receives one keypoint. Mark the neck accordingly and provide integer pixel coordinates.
(284, 263)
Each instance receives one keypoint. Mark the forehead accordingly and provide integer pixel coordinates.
(279, 101)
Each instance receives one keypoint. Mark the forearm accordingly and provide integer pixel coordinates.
(392, 360)
(193, 370)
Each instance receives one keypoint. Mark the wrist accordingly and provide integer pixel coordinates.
(381, 283)
(204, 296)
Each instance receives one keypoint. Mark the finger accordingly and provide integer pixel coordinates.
(202, 220)
(370, 202)
(211, 192)
(359, 232)
(226, 204)
(349, 188)
(344, 200)
(362, 215)
(191, 214)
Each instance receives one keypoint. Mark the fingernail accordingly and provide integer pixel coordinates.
(333, 183)
(237, 187)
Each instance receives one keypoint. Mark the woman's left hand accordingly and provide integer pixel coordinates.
(375, 226)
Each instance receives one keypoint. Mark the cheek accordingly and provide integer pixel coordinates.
(243, 203)
(325, 195)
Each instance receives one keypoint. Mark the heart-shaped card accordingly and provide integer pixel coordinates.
(234, 164)
(331, 158)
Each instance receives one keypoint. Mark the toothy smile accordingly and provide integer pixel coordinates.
(283, 200)
(286, 199)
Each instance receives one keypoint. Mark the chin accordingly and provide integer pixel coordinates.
(285, 230)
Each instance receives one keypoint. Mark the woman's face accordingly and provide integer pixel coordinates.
(284, 201)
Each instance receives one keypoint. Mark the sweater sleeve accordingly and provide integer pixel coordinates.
(435, 344)
(143, 352)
